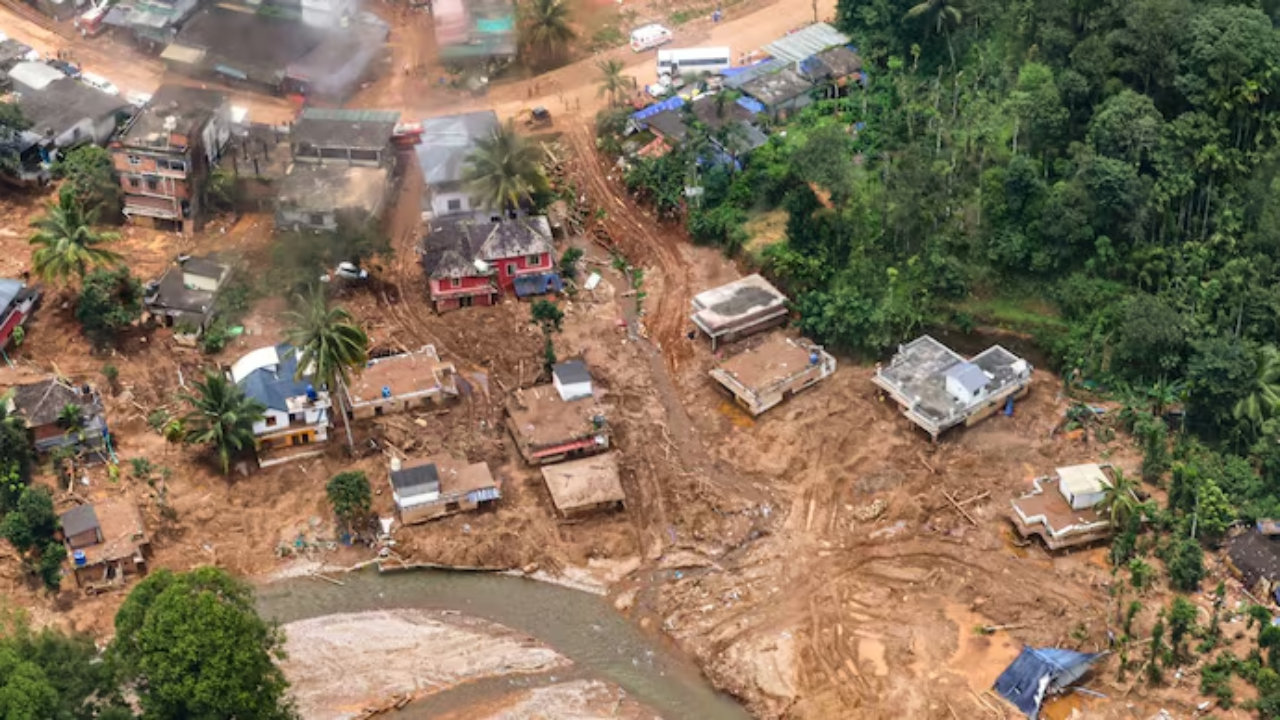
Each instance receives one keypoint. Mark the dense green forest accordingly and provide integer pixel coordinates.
(1096, 173)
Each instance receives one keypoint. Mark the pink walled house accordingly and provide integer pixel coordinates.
(472, 262)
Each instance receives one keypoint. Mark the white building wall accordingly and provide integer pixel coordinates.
(440, 203)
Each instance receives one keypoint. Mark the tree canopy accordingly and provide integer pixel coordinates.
(221, 417)
(66, 244)
(195, 647)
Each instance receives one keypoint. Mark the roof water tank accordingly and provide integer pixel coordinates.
(813, 358)
(79, 558)
(386, 391)
(395, 464)
(312, 395)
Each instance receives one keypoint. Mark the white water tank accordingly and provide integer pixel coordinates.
(395, 464)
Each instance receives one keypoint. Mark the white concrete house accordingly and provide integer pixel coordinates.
(572, 380)
(297, 414)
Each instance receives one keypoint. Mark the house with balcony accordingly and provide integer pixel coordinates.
(340, 170)
(296, 419)
(163, 158)
(475, 260)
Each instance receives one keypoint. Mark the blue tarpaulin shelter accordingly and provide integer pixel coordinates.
(540, 284)
(1040, 671)
(671, 103)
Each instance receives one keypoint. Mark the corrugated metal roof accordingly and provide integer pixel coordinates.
(351, 115)
(671, 103)
(484, 494)
(807, 42)
(9, 290)
(1038, 671)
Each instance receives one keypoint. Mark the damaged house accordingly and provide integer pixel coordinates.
(341, 169)
(42, 402)
(472, 262)
(556, 422)
(442, 155)
(1065, 510)
(761, 377)
(398, 383)
(297, 414)
(185, 295)
(741, 308)
(939, 389)
(429, 489)
(106, 543)
(164, 157)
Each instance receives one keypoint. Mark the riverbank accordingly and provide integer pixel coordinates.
(339, 664)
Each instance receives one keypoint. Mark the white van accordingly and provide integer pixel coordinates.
(693, 61)
(649, 36)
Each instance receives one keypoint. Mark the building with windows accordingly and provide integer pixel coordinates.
(297, 412)
(164, 156)
(442, 155)
(473, 261)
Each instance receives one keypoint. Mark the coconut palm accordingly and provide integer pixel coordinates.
(66, 243)
(614, 83)
(942, 15)
(330, 344)
(503, 170)
(1263, 398)
(221, 416)
(1119, 502)
(544, 28)
(71, 418)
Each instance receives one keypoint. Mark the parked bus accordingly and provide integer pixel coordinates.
(696, 61)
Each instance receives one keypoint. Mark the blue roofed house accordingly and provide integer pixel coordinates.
(1039, 672)
(297, 414)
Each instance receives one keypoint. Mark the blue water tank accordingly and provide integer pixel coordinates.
(813, 358)
(386, 391)
(312, 395)
(79, 558)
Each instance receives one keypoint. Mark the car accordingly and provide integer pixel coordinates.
(69, 69)
(138, 99)
(100, 83)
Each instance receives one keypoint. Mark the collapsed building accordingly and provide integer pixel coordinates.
(762, 377)
(738, 309)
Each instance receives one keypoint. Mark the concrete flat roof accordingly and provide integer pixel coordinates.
(738, 305)
(584, 483)
(123, 533)
(1083, 479)
(773, 361)
(541, 418)
(404, 374)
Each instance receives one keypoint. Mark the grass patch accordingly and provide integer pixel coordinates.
(681, 17)
(1024, 314)
(606, 38)
(764, 229)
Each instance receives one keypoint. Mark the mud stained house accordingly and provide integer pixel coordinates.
(341, 170)
(428, 489)
(164, 156)
(185, 294)
(764, 376)
(939, 389)
(473, 261)
(580, 487)
(741, 308)
(401, 382)
(106, 543)
(40, 401)
(550, 424)
(1064, 510)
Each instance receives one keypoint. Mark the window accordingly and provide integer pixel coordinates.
(134, 160)
(378, 410)
(452, 507)
(153, 183)
(534, 260)
(511, 268)
(75, 133)
(133, 183)
(175, 165)
(272, 420)
(455, 282)
(317, 218)
(455, 204)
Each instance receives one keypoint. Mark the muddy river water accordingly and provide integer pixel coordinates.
(583, 627)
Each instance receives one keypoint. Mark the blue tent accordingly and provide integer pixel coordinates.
(540, 284)
(1040, 671)
(671, 103)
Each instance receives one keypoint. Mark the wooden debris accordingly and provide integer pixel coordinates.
(958, 507)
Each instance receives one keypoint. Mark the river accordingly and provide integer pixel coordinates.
(583, 627)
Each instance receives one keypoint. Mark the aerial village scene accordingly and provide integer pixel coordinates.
(684, 359)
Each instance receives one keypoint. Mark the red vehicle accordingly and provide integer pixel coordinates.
(90, 24)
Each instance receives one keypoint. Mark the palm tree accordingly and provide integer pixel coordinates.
(942, 15)
(66, 243)
(329, 344)
(1263, 399)
(614, 83)
(71, 418)
(1118, 500)
(503, 170)
(222, 416)
(544, 28)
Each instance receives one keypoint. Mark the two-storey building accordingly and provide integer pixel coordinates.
(473, 261)
(341, 169)
(164, 156)
(297, 411)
